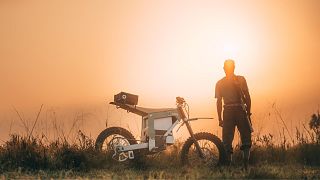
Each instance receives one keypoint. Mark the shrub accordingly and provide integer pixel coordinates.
(314, 125)
(24, 152)
(308, 154)
(32, 154)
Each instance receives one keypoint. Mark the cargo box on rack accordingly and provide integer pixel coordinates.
(126, 98)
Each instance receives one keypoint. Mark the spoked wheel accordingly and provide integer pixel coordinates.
(112, 138)
(211, 147)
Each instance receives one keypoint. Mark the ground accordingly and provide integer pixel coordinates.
(264, 171)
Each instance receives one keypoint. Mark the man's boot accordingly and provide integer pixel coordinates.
(246, 156)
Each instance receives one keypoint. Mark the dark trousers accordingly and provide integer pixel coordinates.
(235, 117)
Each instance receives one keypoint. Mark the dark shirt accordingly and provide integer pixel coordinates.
(226, 89)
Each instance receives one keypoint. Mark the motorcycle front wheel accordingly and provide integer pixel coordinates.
(211, 147)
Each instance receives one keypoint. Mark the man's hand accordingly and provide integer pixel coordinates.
(220, 122)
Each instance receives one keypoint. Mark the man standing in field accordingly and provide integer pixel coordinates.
(233, 90)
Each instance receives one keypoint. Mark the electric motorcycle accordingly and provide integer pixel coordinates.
(201, 148)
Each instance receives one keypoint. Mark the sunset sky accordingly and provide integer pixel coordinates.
(76, 54)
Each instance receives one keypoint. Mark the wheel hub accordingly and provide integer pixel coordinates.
(116, 145)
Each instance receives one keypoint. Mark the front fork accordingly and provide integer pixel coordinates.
(194, 140)
(183, 116)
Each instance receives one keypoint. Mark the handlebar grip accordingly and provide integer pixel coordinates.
(180, 100)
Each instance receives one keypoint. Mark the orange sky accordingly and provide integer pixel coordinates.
(69, 54)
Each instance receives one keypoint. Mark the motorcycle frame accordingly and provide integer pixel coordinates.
(181, 118)
(146, 145)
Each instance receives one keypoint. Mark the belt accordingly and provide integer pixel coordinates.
(232, 105)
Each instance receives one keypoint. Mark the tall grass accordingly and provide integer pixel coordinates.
(32, 154)
(29, 152)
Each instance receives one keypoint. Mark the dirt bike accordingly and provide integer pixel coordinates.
(201, 148)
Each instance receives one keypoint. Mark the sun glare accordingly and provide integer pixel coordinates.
(230, 51)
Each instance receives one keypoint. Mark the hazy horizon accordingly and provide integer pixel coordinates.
(73, 56)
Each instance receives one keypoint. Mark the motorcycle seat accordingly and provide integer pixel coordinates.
(141, 110)
(154, 110)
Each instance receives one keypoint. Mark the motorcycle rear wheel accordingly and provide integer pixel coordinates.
(111, 137)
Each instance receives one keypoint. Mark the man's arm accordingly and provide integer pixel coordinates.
(219, 102)
(248, 101)
(219, 110)
(246, 93)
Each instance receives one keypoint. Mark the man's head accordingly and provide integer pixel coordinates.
(229, 67)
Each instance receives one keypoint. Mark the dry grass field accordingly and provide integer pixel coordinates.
(35, 157)
(261, 171)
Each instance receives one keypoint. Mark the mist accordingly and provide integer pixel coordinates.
(74, 56)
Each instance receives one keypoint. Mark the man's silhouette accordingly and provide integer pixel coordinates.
(227, 89)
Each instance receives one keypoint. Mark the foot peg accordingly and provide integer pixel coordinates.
(131, 155)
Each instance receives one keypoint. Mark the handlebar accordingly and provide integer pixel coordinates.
(182, 108)
(194, 119)
(180, 100)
